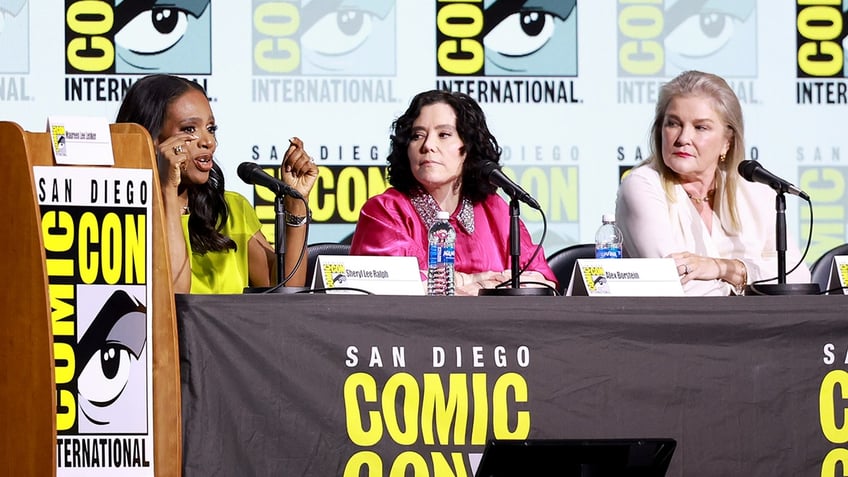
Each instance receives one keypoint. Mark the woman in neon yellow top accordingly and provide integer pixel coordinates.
(214, 240)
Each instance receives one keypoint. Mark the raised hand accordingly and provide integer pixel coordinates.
(174, 151)
(299, 169)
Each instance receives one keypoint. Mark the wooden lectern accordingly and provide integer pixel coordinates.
(27, 381)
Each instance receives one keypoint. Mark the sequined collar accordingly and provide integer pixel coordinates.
(427, 208)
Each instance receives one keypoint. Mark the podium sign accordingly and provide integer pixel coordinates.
(97, 241)
(376, 274)
(625, 277)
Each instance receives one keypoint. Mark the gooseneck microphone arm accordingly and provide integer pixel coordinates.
(752, 171)
(252, 173)
(492, 172)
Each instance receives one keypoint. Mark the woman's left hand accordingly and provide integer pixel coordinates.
(695, 267)
(299, 170)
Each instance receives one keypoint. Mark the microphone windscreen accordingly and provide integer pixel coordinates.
(245, 169)
(489, 167)
(746, 169)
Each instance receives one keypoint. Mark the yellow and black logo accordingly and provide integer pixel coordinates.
(820, 29)
(138, 37)
(506, 38)
(821, 33)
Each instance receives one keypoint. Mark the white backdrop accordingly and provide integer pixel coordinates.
(336, 73)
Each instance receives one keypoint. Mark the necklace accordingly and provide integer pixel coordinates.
(699, 200)
(426, 206)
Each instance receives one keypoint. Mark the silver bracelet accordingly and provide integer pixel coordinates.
(297, 220)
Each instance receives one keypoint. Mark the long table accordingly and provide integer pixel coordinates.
(321, 385)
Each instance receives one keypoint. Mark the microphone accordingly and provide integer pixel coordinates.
(754, 172)
(252, 173)
(492, 171)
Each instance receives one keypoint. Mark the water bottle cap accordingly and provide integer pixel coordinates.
(608, 218)
(443, 215)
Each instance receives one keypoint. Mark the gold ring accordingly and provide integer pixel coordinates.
(178, 149)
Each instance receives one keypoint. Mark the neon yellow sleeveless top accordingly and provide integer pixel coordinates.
(225, 272)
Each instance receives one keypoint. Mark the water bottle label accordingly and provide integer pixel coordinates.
(434, 255)
(440, 254)
(448, 255)
(610, 252)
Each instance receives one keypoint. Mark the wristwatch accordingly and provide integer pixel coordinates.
(297, 220)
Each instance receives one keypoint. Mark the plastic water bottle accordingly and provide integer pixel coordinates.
(608, 238)
(440, 270)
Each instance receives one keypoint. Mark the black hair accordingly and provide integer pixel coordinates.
(146, 103)
(480, 145)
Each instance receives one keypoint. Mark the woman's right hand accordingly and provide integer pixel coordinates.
(174, 153)
(299, 169)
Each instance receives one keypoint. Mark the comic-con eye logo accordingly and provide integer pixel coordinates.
(112, 352)
(506, 37)
(665, 38)
(14, 36)
(138, 36)
(324, 37)
(821, 35)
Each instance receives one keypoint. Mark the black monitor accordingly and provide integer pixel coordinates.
(576, 457)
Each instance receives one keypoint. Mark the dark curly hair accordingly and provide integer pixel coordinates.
(146, 103)
(479, 144)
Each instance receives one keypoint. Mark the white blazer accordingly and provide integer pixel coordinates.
(654, 227)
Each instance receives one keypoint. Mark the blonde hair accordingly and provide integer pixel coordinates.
(726, 104)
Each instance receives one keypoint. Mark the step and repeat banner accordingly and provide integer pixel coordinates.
(568, 86)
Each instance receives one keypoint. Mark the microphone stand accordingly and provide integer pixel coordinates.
(280, 237)
(781, 288)
(279, 250)
(780, 236)
(515, 256)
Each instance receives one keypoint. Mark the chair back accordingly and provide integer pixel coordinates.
(322, 248)
(562, 262)
(820, 269)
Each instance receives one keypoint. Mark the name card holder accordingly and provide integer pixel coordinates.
(625, 277)
(81, 140)
(838, 274)
(379, 275)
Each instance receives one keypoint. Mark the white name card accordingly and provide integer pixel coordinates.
(379, 275)
(81, 140)
(839, 274)
(625, 277)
